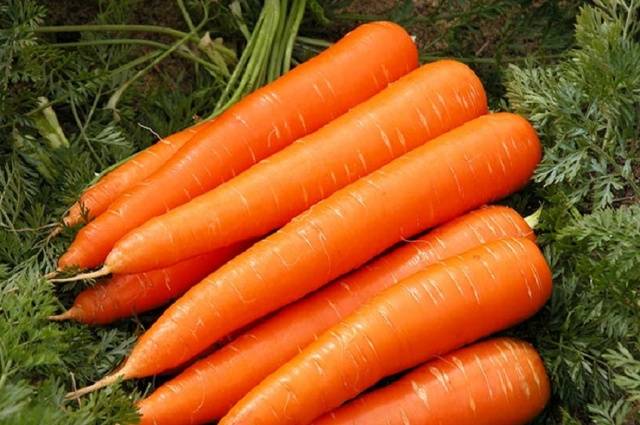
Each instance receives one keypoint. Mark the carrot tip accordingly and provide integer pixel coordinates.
(104, 382)
(90, 275)
(67, 315)
(55, 232)
(51, 275)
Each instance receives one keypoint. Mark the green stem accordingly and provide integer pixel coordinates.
(186, 16)
(297, 19)
(83, 133)
(226, 97)
(135, 41)
(116, 96)
(273, 68)
(534, 219)
(252, 64)
(316, 42)
(116, 28)
(256, 71)
(112, 41)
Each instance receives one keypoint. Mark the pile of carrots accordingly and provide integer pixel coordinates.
(290, 227)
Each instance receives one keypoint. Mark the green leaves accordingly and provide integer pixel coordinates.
(56, 135)
(46, 122)
(585, 108)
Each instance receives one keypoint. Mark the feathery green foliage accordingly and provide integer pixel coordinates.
(587, 106)
(585, 109)
(104, 82)
(74, 101)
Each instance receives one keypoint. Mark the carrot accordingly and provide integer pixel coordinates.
(418, 107)
(484, 159)
(451, 303)
(95, 200)
(501, 381)
(208, 389)
(129, 294)
(300, 102)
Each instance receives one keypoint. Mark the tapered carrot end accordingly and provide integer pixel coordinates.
(51, 275)
(55, 232)
(104, 382)
(67, 315)
(90, 275)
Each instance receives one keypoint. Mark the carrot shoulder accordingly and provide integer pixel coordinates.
(423, 104)
(206, 390)
(129, 294)
(97, 198)
(501, 381)
(298, 103)
(450, 304)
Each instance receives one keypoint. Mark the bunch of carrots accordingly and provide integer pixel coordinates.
(290, 225)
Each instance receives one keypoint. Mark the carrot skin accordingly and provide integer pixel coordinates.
(129, 294)
(96, 199)
(479, 162)
(421, 105)
(501, 381)
(450, 304)
(206, 390)
(262, 123)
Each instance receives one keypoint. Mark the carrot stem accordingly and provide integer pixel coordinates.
(296, 14)
(185, 15)
(134, 41)
(115, 28)
(534, 219)
(315, 42)
(274, 70)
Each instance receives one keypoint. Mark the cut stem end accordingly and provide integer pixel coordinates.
(533, 219)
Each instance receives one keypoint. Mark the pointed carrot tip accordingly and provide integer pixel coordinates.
(51, 275)
(56, 230)
(66, 315)
(90, 275)
(104, 382)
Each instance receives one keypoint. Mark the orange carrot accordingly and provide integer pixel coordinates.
(95, 200)
(129, 294)
(206, 390)
(501, 381)
(450, 304)
(418, 107)
(298, 103)
(484, 159)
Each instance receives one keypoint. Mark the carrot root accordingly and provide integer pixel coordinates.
(51, 275)
(104, 382)
(90, 275)
(66, 315)
(55, 232)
